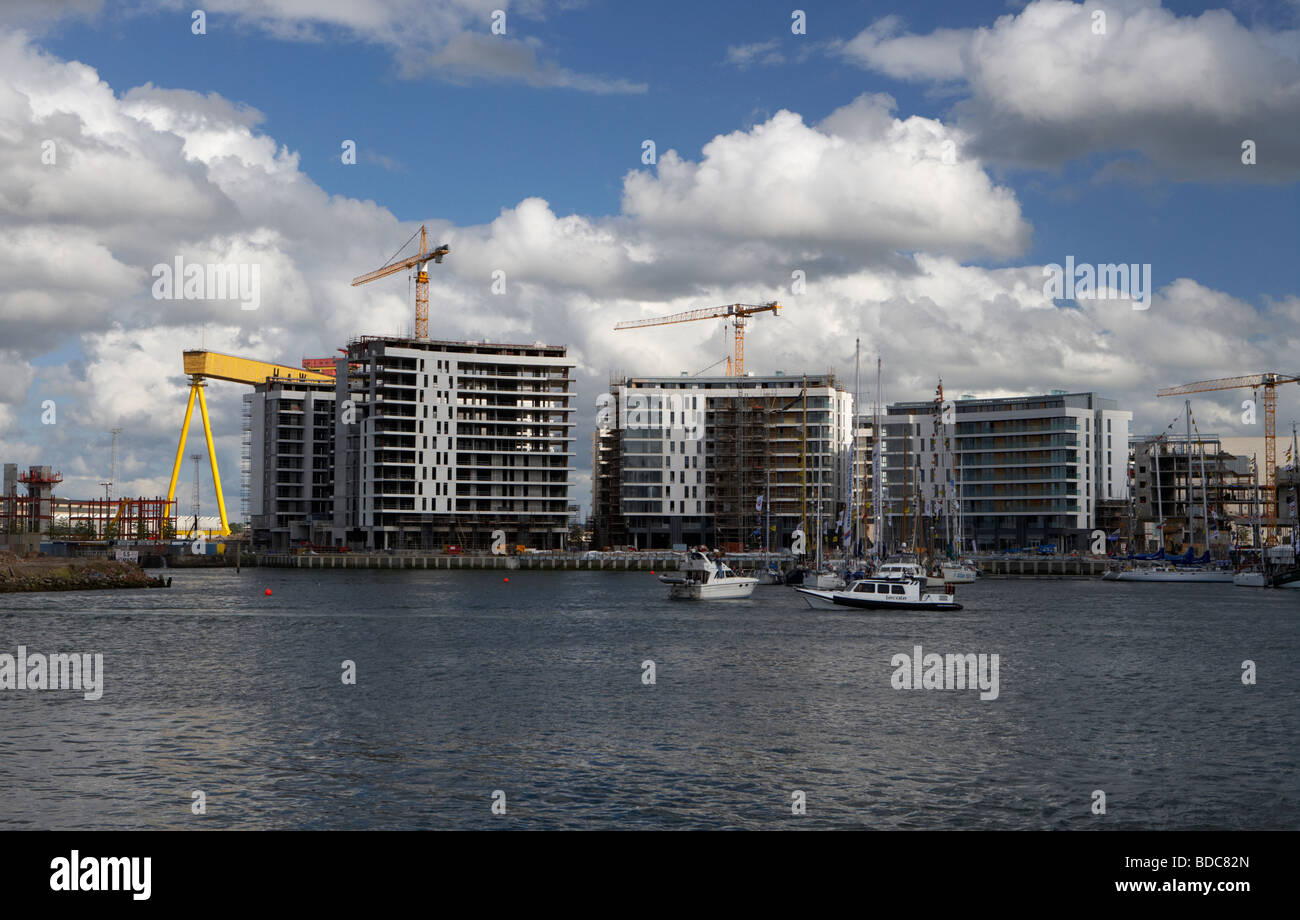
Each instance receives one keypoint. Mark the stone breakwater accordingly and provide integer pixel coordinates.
(62, 573)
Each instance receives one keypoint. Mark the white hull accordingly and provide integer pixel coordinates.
(958, 575)
(818, 600)
(717, 590)
(1258, 580)
(825, 600)
(880, 594)
(1188, 577)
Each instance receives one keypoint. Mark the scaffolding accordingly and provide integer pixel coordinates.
(1226, 490)
(760, 446)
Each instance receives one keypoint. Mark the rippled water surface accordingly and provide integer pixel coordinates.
(467, 684)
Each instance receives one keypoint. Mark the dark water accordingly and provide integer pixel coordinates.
(466, 684)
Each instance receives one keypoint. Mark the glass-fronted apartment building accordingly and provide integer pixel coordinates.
(1011, 472)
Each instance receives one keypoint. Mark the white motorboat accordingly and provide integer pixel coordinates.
(882, 594)
(703, 579)
(959, 573)
(902, 568)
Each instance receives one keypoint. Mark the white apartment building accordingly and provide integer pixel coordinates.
(1015, 471)
(449, 442)
(288, 462)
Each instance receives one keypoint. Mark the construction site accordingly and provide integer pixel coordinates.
(38, 516)
(760, 458)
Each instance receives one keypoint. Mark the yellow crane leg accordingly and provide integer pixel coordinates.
(212, 456)
(180, 448)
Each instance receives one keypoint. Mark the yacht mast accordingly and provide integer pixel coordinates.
(853, 423)
(1205, 490)
(1191, 527)
(1254, 501)
(1160, 510)
(877, 512)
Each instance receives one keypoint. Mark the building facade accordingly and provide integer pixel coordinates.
(447, 443)
(1005, 473)
(733, 462)
(289, 444)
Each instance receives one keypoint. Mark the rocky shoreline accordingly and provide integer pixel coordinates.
(38, 572)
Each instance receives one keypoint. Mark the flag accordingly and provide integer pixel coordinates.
(758, 504)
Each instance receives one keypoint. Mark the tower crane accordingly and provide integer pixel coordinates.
(418, 262)
(1254, 381)
(736, 313)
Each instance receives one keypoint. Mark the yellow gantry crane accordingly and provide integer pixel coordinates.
(418, 262)
(1269, 382)
(204, 365)
(735, 313)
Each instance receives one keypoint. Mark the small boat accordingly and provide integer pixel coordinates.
(703, 579)
(1250, 578)
(959, 573)
(1168, 573)
(772, 575)
(825, 580)
(882, 594)
(902, 567)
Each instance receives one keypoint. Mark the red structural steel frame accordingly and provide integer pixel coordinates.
(141, 518)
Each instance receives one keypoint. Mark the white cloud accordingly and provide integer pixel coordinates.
(862, 179)
(765, 53)
(451, 39)
(1044, 86)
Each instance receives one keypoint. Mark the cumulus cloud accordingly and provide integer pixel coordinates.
(861, 179)
(1056, 81)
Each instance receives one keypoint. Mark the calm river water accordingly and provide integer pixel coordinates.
(467, 684)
